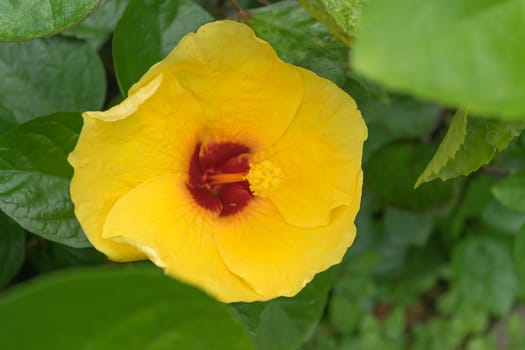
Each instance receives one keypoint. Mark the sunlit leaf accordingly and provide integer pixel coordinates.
(467, 53)
(469, 144)
(340, 16)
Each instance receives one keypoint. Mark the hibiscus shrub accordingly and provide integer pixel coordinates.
(247, 233)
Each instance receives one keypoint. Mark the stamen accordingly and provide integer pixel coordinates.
(264, 177)
(226, 178)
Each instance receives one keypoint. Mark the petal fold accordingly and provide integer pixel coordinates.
(161, 218)
(152, 132)
(319, 155)
(278, 259)
(130, 104)
(247, 93)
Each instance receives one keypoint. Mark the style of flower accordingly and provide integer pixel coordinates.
(228, 168)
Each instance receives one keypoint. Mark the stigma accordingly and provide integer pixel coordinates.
(264, 177)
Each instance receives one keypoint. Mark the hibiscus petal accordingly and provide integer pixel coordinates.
(247, 93)
(276, 258)
(161, 218)
(319, 155)
(153, 131)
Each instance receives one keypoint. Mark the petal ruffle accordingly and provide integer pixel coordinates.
(161, 218)
(319, 155)
(152, 132)
(275, 258)
(247, 93)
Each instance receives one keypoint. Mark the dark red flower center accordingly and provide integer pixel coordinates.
(217, 177)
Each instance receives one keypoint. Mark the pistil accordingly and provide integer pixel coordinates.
(225, 178)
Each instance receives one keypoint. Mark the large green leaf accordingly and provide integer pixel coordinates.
(98, 26)
(299, 39)
(45, 76)
(485, 273)
(286, 323)
(35, 177)
(463, 53)
(113, 309)
(340, 16)
(27, 19)
(148, 31)
(12, 248)
(511, 191)
(469, 144)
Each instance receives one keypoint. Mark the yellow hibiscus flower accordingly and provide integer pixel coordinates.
(228, 168)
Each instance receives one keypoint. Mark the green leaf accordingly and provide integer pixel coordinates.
(448, 148)
(407, 228)
(12, 248)
(41, 77)
(353, 293)
(345, 314)
(476, 197)
(469, 144)
(394, 326)
(340, 16)
(28, 19)
(102, 308)
(47, 256)
(519, 255)
(481, 343)
(467, 54)
(7, 118)
(485, 274)
(148, 31)
(393, 169)
(402, 281)
(299, 39)
(502, 218)
(97, 28)
(397, 117)
(286, 323)
(511, 191)
(515, 334)
(35, 177)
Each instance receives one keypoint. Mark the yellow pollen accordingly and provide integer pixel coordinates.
(264, 177)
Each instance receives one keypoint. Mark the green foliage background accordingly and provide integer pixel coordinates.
(440, 265)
